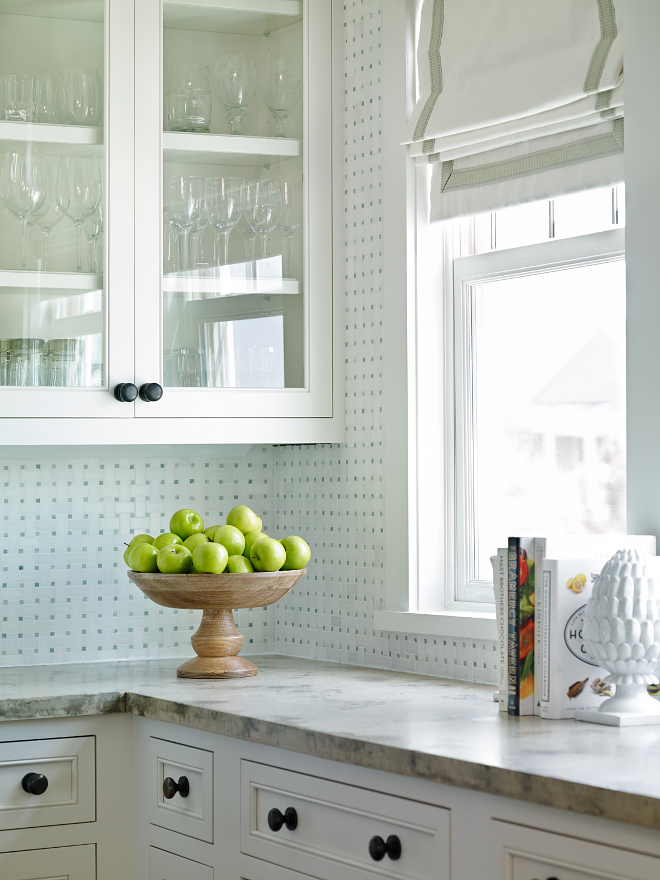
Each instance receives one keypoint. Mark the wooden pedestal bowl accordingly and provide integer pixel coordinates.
(217, 641)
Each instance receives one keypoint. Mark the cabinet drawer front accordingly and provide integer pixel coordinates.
(68, 765)
(531, 854)
(191, 815)
(166, 866)
(335, 823)
(61, 863)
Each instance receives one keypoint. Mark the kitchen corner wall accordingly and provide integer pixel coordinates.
(64, 595)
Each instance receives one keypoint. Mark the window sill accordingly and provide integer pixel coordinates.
(460, 624)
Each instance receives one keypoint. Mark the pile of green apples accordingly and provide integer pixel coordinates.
(239, 547)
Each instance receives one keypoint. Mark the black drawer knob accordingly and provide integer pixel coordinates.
(171, 787)
(379, 848)
(277, 819)
(34, 783)
(151, 392)
(126, 392)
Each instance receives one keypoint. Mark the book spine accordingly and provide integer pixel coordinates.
(513, 573)
(544, 604)
(539, 556)
(502, 626)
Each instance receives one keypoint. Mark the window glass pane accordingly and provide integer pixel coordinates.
(582, 213)
(522, 224)
(548, 390)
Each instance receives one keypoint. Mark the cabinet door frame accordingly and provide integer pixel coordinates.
(20, 406)
(315, 400)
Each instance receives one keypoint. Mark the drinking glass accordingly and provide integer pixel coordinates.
(189, 76)
(3, 361)
(235, 79)
(46, 108)
(171, 369)
(25, 361)
(79, 193)
(24, 186)
(292, 212)
(93, 229)
(189, 110)
(47, 219)
(265, 209)
(18, 97)
(281, 85)
(183, 199)
(223, 203)
(64, 362)
(190, 367)
(79, 97)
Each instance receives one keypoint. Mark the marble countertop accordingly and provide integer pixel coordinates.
(434, 729)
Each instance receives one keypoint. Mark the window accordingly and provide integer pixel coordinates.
(530, 345)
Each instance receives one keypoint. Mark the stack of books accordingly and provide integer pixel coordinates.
(542, 586)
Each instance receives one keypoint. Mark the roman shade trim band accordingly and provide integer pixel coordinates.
(608, 34)
(533, 163)
(435, 67)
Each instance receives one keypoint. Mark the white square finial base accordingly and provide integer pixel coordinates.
(617, 719)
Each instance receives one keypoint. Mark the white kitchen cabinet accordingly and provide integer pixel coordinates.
(244, 343)
(57, 863)
(187, 806)
(167, 866)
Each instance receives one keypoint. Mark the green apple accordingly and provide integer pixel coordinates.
(231, 538)
(165, 539)
(143, 557)
(209, 532)
(185, 523)
(135, 540)
(267, 554)
(195, 540)
(244, 519)
(174, 559)
(250, 538)
(260, 525)
(210, 558)
(239, 565)
(298, 553)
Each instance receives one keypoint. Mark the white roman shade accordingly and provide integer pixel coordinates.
(518, 100)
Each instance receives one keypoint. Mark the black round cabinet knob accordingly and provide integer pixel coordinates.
(171, 787)
(151, 392)
(379, 848)
(276, 819)
(126, 392)
(34, 783)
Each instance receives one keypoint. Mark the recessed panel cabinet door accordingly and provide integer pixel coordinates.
(234, 208)
(167, 866)
(60, 863)
(66, 223)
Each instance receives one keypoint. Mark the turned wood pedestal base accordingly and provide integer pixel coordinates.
(217, 643)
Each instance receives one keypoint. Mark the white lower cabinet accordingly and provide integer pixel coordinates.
(57, 863)
(167, 866)
(530, 854)
(329, 829)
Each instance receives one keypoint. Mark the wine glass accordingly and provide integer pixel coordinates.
(235, 85)
(281, 85)
(265, 209)
(292, 211)
(93, 229)
(79, 193)
(224, 202)
(46, 220)
(246, 228)
(25, 185)
(183, 199)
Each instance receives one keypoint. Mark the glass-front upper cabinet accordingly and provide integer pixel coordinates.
(234, 208)
(66, 191)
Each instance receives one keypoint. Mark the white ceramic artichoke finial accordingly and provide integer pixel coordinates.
(622, 632)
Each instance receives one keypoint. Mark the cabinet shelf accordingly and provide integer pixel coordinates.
(58, 138)
(219, 287)
(225, 149)
(60, 283)
(75, 10)
(252, 17)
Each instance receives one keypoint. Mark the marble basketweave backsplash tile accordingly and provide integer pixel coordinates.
(64, 595)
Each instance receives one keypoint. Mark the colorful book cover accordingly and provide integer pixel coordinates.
(513, 569)
(526, 625)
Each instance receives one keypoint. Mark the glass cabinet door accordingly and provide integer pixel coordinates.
(234, 221)
(55, 206)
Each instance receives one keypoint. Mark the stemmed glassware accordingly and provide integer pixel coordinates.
(79, 193)
(183, 199)
(292, 213)
(265, 209)
(24, 185)
(93, 229)
(246, 228)
(235, 85)
(224, 202)
(281, 85)
(46, 220)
